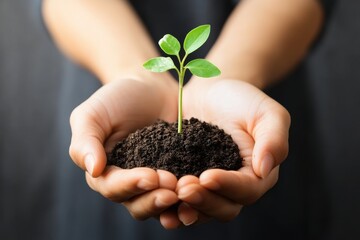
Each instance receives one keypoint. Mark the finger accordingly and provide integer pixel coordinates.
(119, 185)
(209, 203)
(88, 135)
(169, 218)
(186, 180)
(150, 204)
(167, 180)
(187, 214)
(271, 135)
(241, 186)
(190, 216)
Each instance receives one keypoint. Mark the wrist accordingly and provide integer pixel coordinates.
(255, 78)
(162, 80)
(203, 97)
(203, 85)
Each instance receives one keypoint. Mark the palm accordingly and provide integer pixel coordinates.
(235, 107)
(122, 107)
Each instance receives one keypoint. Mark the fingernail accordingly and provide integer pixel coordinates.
(267, 165)
(189, 216)
(190, 222)
(89, 163)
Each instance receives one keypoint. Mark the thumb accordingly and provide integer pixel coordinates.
(271, 141)
(87, 142)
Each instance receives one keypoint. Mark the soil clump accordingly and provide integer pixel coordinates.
(201, 146)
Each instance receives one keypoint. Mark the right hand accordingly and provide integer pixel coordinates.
(258, 125)
(110, 114)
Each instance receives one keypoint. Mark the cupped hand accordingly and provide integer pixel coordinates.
(110, 114)
(258, 124)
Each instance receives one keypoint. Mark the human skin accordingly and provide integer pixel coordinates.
(132, 98)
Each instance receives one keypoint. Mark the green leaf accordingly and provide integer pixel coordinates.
(203, 68)
(196, 38)
(159, 64)
(170, 45)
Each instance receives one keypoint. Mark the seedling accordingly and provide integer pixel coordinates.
(198, 67)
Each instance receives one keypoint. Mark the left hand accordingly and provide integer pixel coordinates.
(258, 124)
(111, 113)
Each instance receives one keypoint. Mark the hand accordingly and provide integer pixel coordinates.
(110, 114)
(258, 124)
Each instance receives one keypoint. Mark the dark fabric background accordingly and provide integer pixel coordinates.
(43, 195)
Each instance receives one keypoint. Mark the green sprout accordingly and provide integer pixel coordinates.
(198, 67)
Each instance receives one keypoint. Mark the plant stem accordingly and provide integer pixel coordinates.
(181, 84)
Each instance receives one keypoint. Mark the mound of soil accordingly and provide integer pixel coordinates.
(201, 146)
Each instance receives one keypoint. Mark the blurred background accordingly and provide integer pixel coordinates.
(43, 195)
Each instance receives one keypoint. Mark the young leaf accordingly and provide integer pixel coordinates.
(170, 45)
(202, 68)
(196, 38)
(159, 64)
(198, 67)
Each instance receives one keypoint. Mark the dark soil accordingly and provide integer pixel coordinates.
(201, 146)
